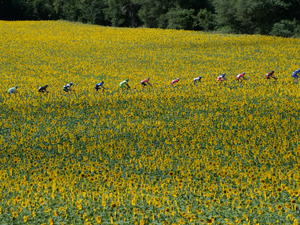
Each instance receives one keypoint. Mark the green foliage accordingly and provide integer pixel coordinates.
(113, 12)
(152, 12)
(205, 20)
(67, 9)
(43, 9)
(195, 4)
(92, 12)
(130, 11)
(178, 19)
(285, 28)
(230, 16)
(122, 13)
(12, 9)
(250, 16)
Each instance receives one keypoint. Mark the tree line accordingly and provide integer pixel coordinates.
(267, 17)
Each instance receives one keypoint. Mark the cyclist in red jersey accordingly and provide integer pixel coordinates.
(221, 78)
(145, 82)
(270, 75)
(240, 76)
(174, 81)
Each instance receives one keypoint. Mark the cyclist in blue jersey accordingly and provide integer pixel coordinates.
(97, 87)
(295, 75)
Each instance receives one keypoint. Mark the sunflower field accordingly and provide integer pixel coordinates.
(211, 153)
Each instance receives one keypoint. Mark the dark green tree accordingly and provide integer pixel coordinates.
(113, 12)
(42, 9)
(92, 11)
(195, 4)
(67, 9)
(130, 11)
(153, 11)
(286, 28)
(122, 13)
(13, 10)
(205, 20)
(249, 16)
(58, 6)
(178, 19)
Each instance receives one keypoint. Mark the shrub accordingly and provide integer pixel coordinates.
(205, 20)
(285, 28)
(178, 19)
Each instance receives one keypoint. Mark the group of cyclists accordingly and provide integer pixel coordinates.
(145, 82)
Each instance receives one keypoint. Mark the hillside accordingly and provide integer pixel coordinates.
(223, 153)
